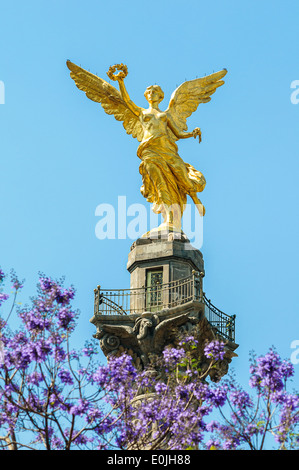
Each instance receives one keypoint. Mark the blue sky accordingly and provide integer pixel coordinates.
(62, 156)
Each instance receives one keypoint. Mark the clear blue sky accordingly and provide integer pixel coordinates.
(62, 156)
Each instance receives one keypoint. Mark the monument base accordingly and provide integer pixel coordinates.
(164, 302)
(170, 257)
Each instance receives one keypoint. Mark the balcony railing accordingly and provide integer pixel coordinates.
(223, 322)
(162, 296)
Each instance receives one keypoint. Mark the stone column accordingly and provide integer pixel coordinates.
(178, 270)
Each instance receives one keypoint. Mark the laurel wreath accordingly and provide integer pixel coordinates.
(122, 74)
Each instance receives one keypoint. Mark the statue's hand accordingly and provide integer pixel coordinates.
(197, 132)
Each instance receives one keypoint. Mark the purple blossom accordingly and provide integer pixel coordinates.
(89, 350)
(269, 373)
(161, 388)
(212, 426)
(60, 295)
(44, 379)
(57, 443)
(64, 296)
(17, 356)
(34, 378)
(188, 340)
(35, 321)
(39, 350)
(74, 355)
(286, 369)
(240, 400)
(2, 275)
(59, 354)
(173, 356)
(95, 414)
(65, 377)
(65, 318)
(81, 439)
(46, 284)
(119, 370)
(231, 444)
(16, 284)
(215, 350)
(81, 408)
(253, 429)
(213, 444)
(3, 297)
(216, 396)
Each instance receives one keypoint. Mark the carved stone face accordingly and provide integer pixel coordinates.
(146, 323)
(144, 326)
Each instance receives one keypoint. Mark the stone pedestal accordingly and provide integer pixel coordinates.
(175, 257)
(166, 300)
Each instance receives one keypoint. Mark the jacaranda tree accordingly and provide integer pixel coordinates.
(58, 398)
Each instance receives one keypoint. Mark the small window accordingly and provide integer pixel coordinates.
(154, 281)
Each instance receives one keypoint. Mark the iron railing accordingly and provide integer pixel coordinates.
(161, 296)
(221, 321)
(153, 298)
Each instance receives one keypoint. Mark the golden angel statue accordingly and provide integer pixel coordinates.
(166, 178)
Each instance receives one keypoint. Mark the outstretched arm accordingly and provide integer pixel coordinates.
(125, 96)
(182, 134)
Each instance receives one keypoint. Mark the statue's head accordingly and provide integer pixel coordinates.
(154, 93)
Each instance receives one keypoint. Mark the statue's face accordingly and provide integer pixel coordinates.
(146, 323)
(154, 94)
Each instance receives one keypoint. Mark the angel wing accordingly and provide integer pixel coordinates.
(97, 89)
(186, 98)
(166, 329)
(122, 331)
